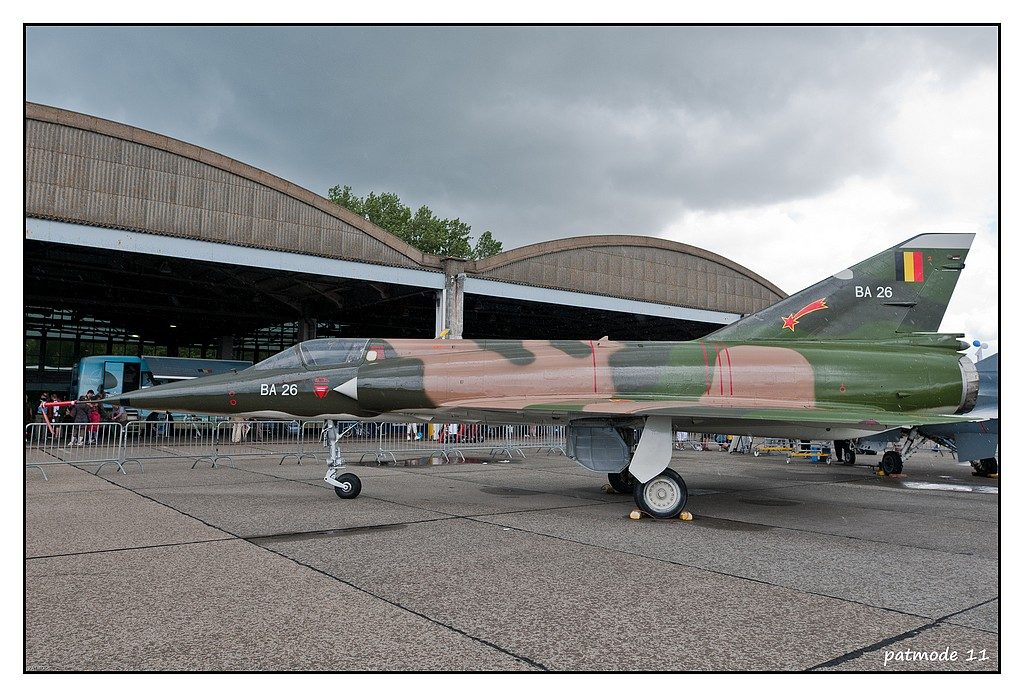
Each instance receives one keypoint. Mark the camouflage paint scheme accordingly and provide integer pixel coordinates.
(973, 440)
(847, 357)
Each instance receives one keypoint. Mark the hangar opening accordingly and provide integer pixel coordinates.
(81, 302)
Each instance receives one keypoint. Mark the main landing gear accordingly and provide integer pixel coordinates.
(664, 496)
(986, 467)
(346, 485)
(844, 452)
(661, 497)
(892, 462)
(637, 466)
(623, 482)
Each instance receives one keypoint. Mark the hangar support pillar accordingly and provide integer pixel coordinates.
(450, 305)
(227, 347)
(307, 328)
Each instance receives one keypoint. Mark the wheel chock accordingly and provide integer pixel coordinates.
(608, 489)
(993, 476)
(637, 514)
(880, 472)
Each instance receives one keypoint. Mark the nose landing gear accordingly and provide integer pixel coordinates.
(346, 485)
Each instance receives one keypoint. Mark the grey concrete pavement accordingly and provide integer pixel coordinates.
(522, 565)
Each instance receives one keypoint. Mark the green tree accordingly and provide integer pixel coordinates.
(440, 236)
(486, 246)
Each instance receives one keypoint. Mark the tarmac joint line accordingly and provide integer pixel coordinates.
(909, 634)
(428, 618)
(131, 549)
(535, 664)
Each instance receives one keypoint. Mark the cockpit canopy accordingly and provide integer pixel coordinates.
(317, 353)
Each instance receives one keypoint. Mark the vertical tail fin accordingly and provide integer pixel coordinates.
(904, 289)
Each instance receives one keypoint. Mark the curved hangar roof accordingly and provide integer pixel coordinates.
(91, 171)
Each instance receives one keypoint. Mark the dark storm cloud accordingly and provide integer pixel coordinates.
(533, 133)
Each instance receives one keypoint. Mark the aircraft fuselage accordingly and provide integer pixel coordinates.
(561, 380)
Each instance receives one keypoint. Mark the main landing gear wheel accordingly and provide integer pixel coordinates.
(892, 463)
(986, 466)
(662, 497)
(348, 487)
(623, 482)
(844, 452)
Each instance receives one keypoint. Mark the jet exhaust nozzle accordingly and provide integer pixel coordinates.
(971, 384)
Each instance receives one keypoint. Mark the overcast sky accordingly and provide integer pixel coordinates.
(795, 151)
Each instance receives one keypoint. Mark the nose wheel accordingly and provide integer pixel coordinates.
(664, 496)
(346, 485)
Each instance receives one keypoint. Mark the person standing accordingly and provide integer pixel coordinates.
(41, 409)
(65, 420)
(104, 408)
(54, 415)
(94, 421)
(163, 420)
(80, 415)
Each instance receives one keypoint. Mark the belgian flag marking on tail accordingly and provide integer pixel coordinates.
(910, 266)
(911, 284)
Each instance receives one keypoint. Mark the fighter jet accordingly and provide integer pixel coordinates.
(853, 355)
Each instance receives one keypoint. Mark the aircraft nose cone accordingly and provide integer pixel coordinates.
(176, 397)
(298, 394)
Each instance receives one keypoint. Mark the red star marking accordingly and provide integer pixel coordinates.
(791, 321)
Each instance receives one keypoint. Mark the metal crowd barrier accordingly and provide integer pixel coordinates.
(517, 438)
(216, 441)
(282, 438)
(416, 440)
(161, 440)
(451, 440)
(510, 440)
(73, 444)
